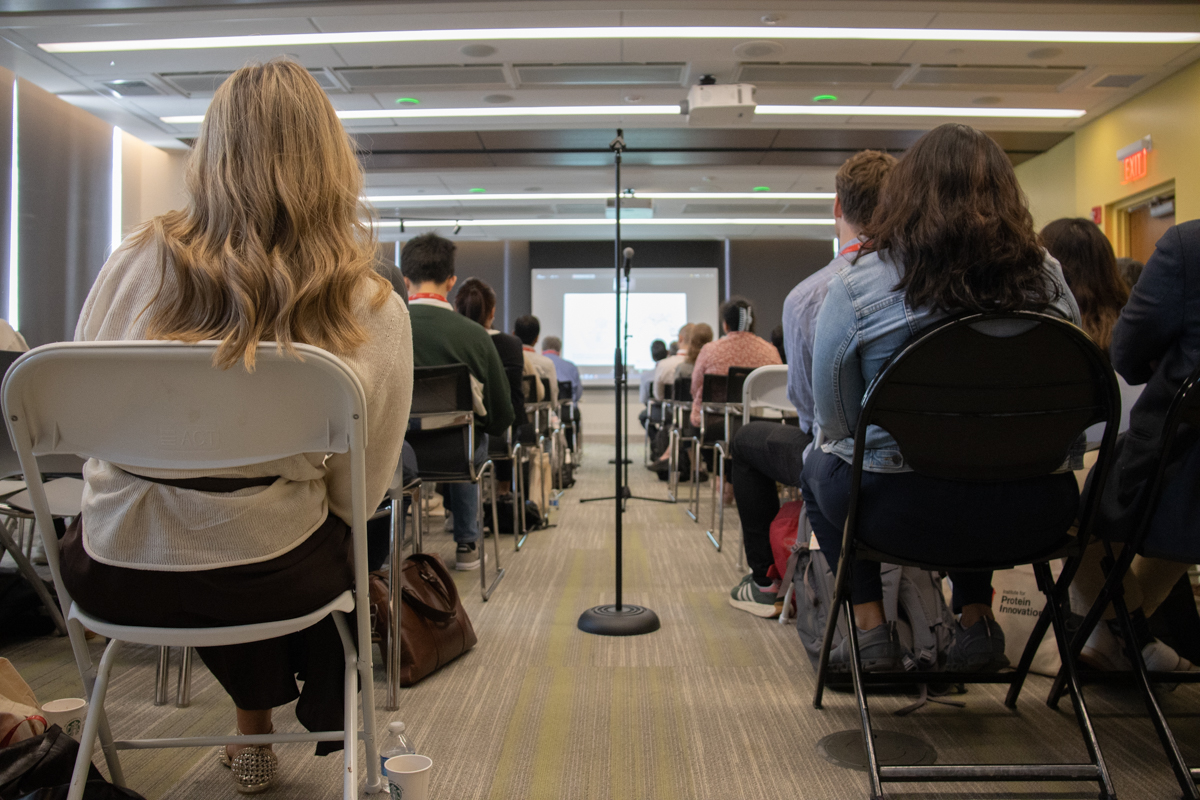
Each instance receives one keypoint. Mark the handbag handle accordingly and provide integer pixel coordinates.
(428, 569)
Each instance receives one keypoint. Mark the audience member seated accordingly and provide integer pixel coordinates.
(664, 371)
(1090, 267)
(739, 347)
(476, 301)
(777, 341)
(951, 235)
(441, 336)
(566, 371)
(273, 187)
(698, 335)
(1130, 269)
(768, 453)
(1156, 341)
(673, 348)
(527, 329)
(658, 352)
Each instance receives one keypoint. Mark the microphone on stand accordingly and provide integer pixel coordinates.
(628, 253)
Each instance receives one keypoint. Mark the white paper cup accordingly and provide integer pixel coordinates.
(408, 777)
(67, 714)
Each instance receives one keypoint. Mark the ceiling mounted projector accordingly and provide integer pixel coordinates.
(710, 105)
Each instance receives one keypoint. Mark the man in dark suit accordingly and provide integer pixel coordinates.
(1156, 341)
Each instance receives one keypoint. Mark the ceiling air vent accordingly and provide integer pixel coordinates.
(601, 74)
(820, 74)
(132, 88)
(380, 79)
(196, 84)
(1117, 81)
(1027, 78)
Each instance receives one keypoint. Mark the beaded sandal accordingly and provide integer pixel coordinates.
(253, 769)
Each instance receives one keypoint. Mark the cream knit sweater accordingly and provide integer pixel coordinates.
(134, 523)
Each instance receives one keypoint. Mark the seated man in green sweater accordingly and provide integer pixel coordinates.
(443, 336)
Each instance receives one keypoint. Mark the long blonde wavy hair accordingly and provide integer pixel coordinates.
(273, 245)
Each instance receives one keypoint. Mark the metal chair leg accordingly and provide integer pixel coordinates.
(717, 516)
(161, 678)
(485, 589)
(183, 684)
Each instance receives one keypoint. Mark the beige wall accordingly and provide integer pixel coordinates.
(1049, 182)
(1083, 171)
(151, 181)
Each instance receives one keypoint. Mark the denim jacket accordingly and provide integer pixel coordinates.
(863, 322)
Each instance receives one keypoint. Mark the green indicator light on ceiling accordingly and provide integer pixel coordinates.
(408, 101)
(761, 189)
(477, 190)
(825, 98)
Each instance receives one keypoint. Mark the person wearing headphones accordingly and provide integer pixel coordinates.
(739, 347)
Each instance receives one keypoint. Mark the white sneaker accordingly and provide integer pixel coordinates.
(1104, 651)
(1161, 657)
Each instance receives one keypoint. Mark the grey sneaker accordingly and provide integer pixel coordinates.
(979, 648)
(879, 649)
(746, 596)
(466, 557)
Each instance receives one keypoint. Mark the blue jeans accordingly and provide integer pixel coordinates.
(463, 499)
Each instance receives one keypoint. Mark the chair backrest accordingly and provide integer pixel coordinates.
(668, 391)
(529, 389)
(766, 389)
(992, 397)
(441, 423)
(162, 405)
(716, 388)
(683, 389)
(566, 391)
(737, 378)
(442, 389)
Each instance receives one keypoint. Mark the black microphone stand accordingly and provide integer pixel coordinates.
(619, 619)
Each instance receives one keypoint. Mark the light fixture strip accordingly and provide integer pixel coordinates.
(475, 198)
(501, 223)
(14, 218)
(622, 111)
(630, 32)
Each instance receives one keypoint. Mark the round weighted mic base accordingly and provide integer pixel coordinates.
(628, 621)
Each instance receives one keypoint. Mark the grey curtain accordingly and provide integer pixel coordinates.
(64, 202)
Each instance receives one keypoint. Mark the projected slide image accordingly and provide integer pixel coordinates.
(588, 320)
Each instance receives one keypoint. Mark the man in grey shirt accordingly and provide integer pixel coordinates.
(767, 453)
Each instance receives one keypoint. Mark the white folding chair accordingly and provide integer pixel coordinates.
(764, 394)
(162, 405)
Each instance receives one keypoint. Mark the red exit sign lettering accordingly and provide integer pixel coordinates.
(1135, 166)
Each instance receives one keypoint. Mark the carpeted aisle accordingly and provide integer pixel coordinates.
(716, 705)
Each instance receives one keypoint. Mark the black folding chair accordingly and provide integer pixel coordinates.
(1184, 410)
(680, 409)
(985, 398)
(441, 429)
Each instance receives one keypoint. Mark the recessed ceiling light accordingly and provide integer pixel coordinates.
(757, 50)
(825, 98)
(630, 32)
(408, 101)
(497, 99)
(671, 110)
(477, 50)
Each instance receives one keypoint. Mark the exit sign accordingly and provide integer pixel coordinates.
(1135, 160)
(1135, 166)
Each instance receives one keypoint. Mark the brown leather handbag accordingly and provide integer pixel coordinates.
(434, 628)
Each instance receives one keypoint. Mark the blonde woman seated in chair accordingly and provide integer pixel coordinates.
(271, 248)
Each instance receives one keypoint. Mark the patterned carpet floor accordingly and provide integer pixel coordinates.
(715, 705)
